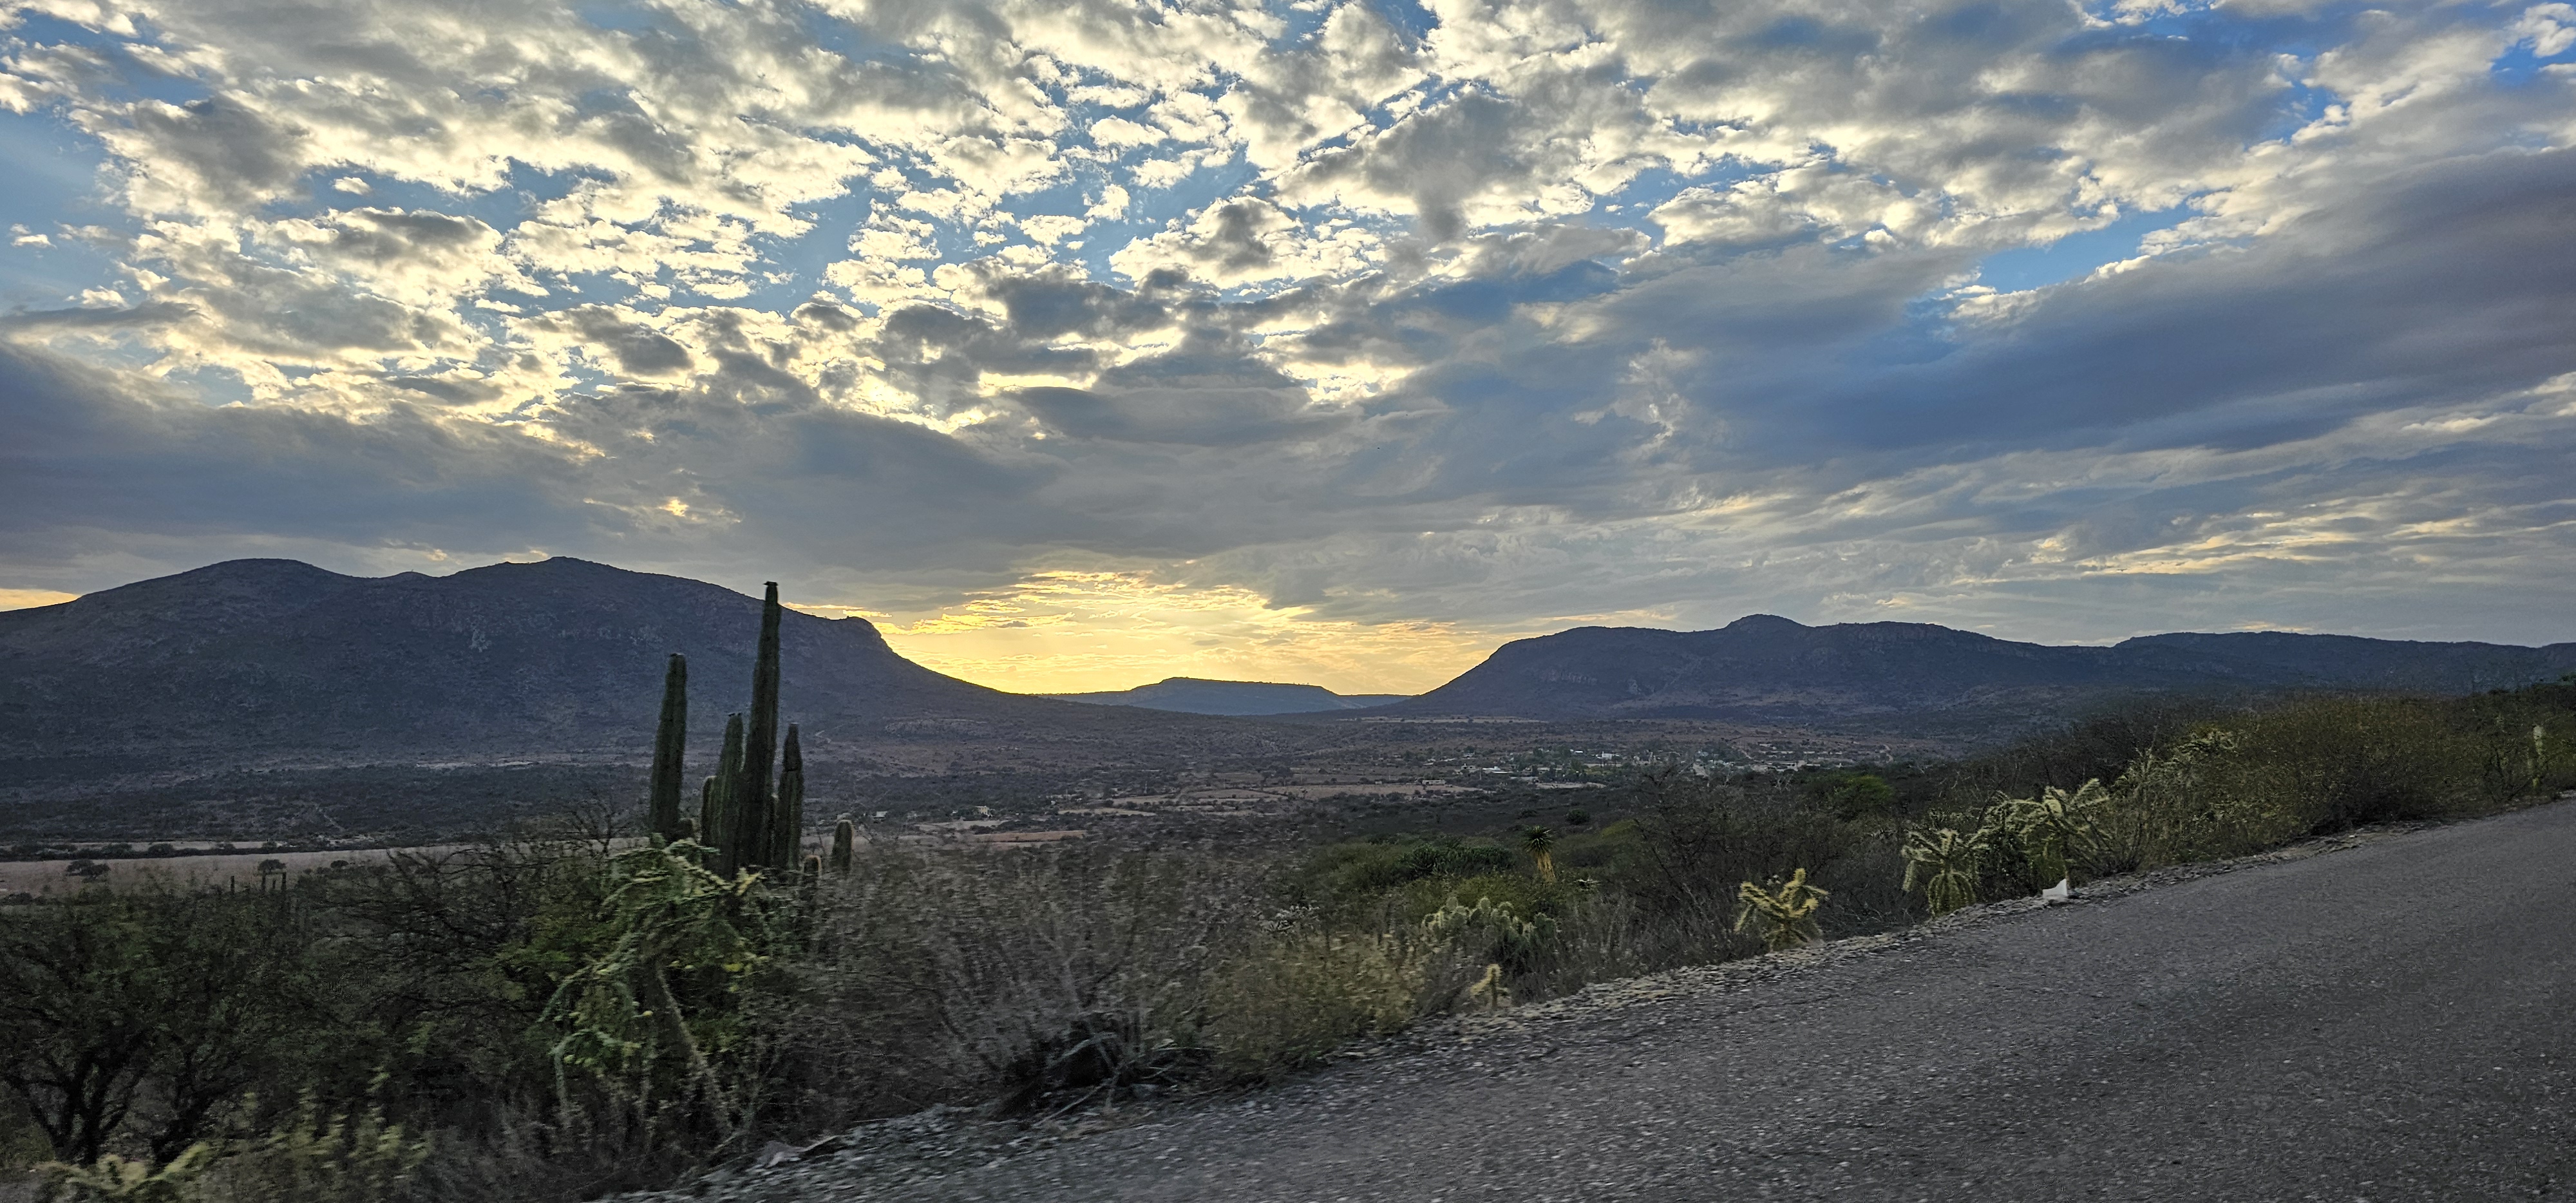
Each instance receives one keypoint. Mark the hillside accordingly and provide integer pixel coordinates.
(1193, 695)
(265, 659)
(1764, 668)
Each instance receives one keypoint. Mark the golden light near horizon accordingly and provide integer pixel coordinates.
(1079, 632)
(28, 599)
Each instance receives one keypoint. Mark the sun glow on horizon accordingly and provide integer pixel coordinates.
(28, 599)
(1080, 632)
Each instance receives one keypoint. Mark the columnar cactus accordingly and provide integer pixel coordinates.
(754, 841)
(751, 813)
(670, 743)
(726, 799)
(787, 810)
(845, 838)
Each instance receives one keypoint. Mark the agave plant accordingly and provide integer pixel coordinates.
(1945, 866)
(1782, 916)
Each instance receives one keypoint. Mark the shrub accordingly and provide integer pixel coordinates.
(1857, 795)
(950, 975)
(1298, 995)
(318, 1158)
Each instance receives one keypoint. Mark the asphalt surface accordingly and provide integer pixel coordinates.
(2385, 1022)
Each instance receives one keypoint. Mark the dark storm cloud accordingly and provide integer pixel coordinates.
(87, 452)
(2449, 281)
(84, 453)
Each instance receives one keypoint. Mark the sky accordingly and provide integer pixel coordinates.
(1080, 343)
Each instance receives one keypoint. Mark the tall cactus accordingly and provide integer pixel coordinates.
(754, 836)
(787, 813)
(725, 800)
(670, 744)
(845, 837)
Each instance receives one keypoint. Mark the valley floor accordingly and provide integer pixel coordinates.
(2384, 1022)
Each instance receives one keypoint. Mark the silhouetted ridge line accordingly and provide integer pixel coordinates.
(1765, 668)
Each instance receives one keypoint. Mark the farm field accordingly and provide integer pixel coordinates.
(43, 877)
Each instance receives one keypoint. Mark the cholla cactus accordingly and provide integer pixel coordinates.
(1489, 992)
(1782, 916)
(1490, 929)
(2051, 827)
(115, 1178)
(1541, 842)
(1945, 866)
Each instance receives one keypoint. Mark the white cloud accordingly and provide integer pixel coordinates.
(1629, 307)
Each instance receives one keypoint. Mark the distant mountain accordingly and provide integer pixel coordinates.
(261, 659)
(1764, 668)
(1192, 695)
(274, 663)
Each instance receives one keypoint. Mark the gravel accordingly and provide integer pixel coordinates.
(2381, 1016)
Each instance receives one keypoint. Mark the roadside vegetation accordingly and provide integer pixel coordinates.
(585, 1006)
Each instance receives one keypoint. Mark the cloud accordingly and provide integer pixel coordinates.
(1536, 312)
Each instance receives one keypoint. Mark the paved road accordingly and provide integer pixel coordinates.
(2382, 1023)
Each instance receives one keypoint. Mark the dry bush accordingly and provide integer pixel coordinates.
(1297, 994)
(1049, 976)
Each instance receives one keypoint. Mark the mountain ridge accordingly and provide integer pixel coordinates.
(1763, 667)
(1243, 699)
(560, 656)
(276, 661)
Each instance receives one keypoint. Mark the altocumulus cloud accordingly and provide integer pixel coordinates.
(1322, 324)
